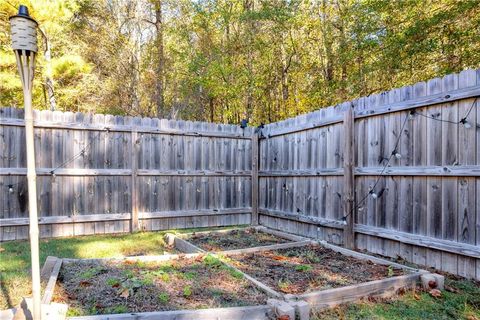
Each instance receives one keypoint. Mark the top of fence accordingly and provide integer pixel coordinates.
(466, 84)
(100, 122)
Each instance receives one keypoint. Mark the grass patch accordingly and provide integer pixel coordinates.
(415, 305)
(15, 257)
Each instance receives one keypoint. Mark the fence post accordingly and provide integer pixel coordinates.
(349, 179)
(255, 152)
(134, 225)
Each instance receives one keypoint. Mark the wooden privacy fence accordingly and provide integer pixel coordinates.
(106, 174)
(396, 174)
(415, 180)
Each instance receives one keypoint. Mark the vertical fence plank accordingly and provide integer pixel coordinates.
(255, 182)
(349, 179)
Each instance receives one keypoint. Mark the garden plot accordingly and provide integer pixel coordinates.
(126, 286)
(309, 268)
(324, 275)
(234, 239)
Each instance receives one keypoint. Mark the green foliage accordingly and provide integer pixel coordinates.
(191, 275)
(187, 291)
(90, 273)
(283, 284)
(227, 60)
(127, 273)
(163, 297)
(390, 272)
(116, 309)
(303, 268)
(112, 282)
(212, 261)
(235, 273)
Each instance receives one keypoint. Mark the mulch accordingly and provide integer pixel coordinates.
(310, 268)
(235, 239)
(118, 287)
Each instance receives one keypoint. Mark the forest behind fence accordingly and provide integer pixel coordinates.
(397, 173)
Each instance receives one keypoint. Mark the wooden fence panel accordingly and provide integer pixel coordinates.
(88, 165)
(422, 174)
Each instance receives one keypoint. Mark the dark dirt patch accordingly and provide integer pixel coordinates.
(235, 239)
(120, 287)
(310, 268)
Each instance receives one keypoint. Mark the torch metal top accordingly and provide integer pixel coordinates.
(23, 13)
(24, 31)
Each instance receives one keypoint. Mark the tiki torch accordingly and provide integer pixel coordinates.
(24, 44)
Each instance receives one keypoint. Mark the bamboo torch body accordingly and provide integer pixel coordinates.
(24, 43)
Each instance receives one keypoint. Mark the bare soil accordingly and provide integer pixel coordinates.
(120, 287)
(310, 268)
(235, 239)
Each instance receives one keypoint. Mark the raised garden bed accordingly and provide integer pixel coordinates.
(109, 287)
(309, 268)
(234, 239)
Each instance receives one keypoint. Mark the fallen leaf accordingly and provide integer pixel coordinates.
(435, 293)
(116, 285)
(416, 296)
(85, 283)
(472, 317)
(2, 249)
(284, 317)
(125, 294)
(280, 258)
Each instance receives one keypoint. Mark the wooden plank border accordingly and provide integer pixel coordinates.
(260, 312)
(384, 287)
(50, 288)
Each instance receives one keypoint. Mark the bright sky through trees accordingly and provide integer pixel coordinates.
(226, 60)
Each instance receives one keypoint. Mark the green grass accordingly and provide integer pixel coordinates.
(415, 305)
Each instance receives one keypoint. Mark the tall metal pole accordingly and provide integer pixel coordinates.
(24, 43)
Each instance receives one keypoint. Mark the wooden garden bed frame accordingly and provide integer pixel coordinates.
(319, 298)
(288, 303)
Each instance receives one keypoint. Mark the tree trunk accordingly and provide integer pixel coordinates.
(48, 84)
(212, 109)
(248, 6)
(159, 92)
